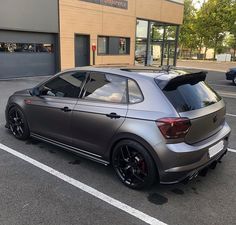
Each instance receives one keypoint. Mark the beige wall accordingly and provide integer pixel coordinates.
(87, 18)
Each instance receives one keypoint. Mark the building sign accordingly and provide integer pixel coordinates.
(122, 4)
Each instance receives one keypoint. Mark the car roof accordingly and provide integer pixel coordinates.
(137, 72)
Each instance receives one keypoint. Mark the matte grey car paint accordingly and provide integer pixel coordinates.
(87, 129)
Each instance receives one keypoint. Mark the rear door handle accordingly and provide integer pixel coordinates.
(66, 109)
(113, 116)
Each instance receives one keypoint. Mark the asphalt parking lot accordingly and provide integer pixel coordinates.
(31, 195)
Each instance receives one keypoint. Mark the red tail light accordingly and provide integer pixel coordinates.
(174, 128)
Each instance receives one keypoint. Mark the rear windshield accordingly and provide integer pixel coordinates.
(188, 97)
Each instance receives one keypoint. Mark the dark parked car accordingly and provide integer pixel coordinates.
(148, 124)
(231, 75)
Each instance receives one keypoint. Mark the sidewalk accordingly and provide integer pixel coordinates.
(206, 65)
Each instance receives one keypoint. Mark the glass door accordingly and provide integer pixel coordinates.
(169, 53)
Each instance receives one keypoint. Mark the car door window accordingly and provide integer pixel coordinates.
(67, 85)
(106, 87)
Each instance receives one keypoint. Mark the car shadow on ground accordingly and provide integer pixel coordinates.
(102, 177)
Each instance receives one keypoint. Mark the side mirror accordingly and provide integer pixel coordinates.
(35, 92)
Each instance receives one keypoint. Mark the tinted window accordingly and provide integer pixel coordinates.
(67, 85)
(189, 97)
(113, 45)
(135, 95)
(104, 87)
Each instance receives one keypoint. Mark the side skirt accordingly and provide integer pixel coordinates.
(77, 151)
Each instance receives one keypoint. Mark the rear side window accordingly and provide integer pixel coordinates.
(135, 95)
(106, 87)
(188, 97)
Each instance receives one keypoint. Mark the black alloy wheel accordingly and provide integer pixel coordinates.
(133, 165)
(17, 123)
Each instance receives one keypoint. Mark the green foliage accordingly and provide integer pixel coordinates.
(188, 35)
(208, 26)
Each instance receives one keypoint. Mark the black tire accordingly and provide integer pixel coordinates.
(133, 165)
(18, 124)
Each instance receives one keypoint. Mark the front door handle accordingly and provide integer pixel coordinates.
(113, 116)
(66, 109)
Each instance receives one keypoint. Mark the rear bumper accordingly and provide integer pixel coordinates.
(186, 161)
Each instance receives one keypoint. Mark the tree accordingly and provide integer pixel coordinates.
(188, 35)
(214, 19)
(231, 43)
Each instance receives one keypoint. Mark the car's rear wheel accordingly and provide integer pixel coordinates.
(133, 165)
(18, 123)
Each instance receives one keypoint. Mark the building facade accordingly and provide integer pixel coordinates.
(42, 37)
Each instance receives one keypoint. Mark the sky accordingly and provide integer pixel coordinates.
(198, 3)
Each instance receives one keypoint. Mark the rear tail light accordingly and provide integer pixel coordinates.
(174, 128)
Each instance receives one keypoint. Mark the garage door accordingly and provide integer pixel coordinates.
(27, 54)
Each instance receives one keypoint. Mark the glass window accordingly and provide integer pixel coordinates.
(107, 88)
(157, 32)
(135, 95)
(48, 48)
(170, 33)
(22, 48)
(187, 97)
(102, 45)
(66, 85)
(113, 45)
(25, 47)
(2, 47)
(142, 29)
(123, 46)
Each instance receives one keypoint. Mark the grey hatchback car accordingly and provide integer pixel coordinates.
(149, 124)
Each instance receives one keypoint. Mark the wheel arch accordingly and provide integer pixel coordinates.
(138, 139)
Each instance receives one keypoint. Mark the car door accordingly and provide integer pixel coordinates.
(50, 113)
(100, 112)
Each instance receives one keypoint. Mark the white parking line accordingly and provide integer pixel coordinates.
(231, 150)
(199, 68)
(221, 85)
(227, 94)
(228, 114)
(134, 212)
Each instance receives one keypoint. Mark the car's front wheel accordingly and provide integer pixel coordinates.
(18, 123)
(133, 165)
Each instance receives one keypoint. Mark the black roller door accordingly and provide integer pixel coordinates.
(27, 54)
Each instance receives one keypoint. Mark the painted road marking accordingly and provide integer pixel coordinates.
(228, 114)
(231, 150)
(126, 208)
(221, 85)
(199, 68)
(227, 94)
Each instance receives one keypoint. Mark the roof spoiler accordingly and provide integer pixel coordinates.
(175, 81)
